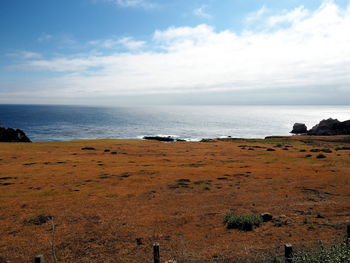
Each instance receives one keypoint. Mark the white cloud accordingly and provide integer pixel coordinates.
(311, 52)
(255, 16)
(201, 12)
(294, 16)
(130, 43)
(24, 54)
(125, 42)
(44, 37)
(134, 3)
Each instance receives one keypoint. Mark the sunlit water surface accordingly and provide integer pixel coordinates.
(62, 123)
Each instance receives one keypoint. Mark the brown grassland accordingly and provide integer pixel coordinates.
(110, 203)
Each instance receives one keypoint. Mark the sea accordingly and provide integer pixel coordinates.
(44, 123)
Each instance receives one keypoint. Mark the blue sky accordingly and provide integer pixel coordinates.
(179, 52)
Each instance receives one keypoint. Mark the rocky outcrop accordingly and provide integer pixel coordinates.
(330, 127)
(266, 217)
(299, 128)
(12, 135)
(159, 138)
(163, 139)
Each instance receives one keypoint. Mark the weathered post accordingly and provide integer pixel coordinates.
(39, 259)
(288, 253)
(156, 254)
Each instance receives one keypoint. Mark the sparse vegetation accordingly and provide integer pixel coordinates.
(184, 194)
(342, 148)
(336, 253)
(38, 219)
(321, 156)
(245, 222)
(315, 150)
(88, 149)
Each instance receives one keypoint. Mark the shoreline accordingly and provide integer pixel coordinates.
(330, 138)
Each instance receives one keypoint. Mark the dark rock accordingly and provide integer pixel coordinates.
(299, 128)
(266, 217)
(207, 140)
(12, 135)
(159, 138)
(330, 127)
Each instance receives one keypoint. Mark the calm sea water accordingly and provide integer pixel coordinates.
(62, 123)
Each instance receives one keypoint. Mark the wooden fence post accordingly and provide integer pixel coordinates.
(288, 253)
(156, 254)
(39, 259)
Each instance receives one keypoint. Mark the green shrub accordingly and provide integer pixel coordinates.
(336, 253)
(315, 150)
(340, 148)
(245, 222)
(321, 156)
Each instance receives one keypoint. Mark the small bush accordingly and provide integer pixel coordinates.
(245, 222)
(336, 253)
(88, 149)
(38, 219)
(308, 156)
(315, 150)
(321, 156)
(270, 150)
(342, 148)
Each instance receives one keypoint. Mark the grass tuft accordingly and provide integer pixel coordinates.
(244, 222)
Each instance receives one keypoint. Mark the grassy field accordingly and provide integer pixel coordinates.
(109, 200)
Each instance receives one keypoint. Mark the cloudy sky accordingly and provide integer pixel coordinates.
(117, 52)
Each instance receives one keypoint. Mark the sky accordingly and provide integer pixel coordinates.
(140, 52)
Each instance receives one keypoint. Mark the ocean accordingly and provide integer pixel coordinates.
(64, 123)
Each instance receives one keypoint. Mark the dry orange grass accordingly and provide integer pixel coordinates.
(111, 207)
